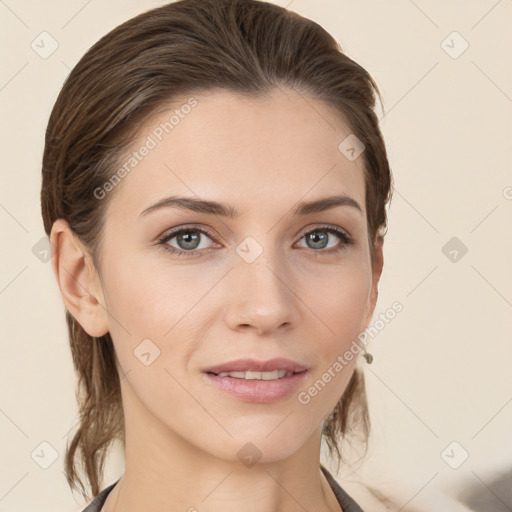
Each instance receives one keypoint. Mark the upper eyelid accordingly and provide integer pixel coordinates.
(171, 233)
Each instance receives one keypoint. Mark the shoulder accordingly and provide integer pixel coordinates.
(390, 498)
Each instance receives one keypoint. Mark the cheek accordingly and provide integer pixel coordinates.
(149, 298)
(161, 304)
(153, 330)
(340, 299)
(345, 313)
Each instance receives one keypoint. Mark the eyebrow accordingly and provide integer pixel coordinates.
(226, 210)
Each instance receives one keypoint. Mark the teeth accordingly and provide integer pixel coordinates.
(249, 375)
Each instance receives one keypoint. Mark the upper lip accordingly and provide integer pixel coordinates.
(243, 365)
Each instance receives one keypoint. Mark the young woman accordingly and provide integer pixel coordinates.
(214, 188)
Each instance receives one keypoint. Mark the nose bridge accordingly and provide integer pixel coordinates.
(260, 289)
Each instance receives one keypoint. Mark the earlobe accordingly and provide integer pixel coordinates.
(78, 280)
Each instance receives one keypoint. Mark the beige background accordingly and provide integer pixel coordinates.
(442, 367)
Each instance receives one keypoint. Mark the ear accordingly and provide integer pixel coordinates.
(377, 264)
(78, 280)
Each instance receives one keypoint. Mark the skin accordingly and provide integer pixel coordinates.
(262, 156)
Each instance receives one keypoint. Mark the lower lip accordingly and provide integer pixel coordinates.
(255, 390)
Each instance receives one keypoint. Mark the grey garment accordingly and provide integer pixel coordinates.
(99, 500)
(345, 501)
(495, 494)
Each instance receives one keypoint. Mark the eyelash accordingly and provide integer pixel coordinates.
(162, 240)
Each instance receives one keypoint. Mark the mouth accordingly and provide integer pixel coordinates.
(257, 387)
(255, 375)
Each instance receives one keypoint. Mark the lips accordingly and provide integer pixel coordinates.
(244, 365)
(255, 390)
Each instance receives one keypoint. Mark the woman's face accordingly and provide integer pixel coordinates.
(254, 285)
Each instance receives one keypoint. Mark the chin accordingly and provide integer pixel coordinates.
(260, 444)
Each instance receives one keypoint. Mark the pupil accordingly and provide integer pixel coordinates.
(188, 237)
(314, 237)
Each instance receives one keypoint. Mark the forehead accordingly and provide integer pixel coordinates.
(268, 152)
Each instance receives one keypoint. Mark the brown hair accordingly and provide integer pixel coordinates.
(244, 46)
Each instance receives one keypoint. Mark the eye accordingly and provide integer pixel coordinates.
(318, 239)
(188, 240)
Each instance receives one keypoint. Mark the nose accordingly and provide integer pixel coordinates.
(261, 295)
